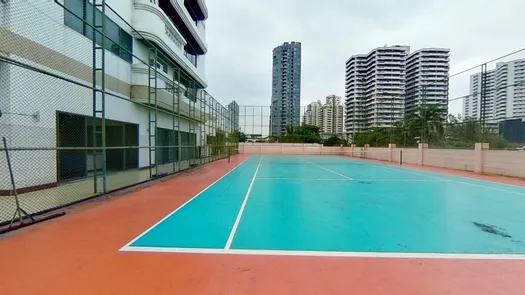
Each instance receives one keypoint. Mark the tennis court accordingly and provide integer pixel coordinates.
(339, 206)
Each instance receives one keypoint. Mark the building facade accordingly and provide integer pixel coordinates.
(233, 111)
(154, 81)
(381, 87)
(504, 93)
(286, 88)
(312, 114)
(427, 79)
(375, 88)
(472, 104)
(513, 130)
(328, 116)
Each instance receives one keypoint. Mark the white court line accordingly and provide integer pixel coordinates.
(292, 178)
(239, 216)
(401, 180)
(457, 181)
(355, 179)
(410, 170)
(328, 253)
(180, 207)
(329, 170)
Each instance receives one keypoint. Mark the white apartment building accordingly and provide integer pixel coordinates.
(312, 114)
(384, 85)
(504, 93)
(328, 116)
(472, 103)
(375, 88)
(46, 36)
(427, 73)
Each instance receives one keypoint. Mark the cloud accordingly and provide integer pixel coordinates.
(241, 35)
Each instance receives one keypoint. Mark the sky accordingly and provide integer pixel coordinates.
(241, 35)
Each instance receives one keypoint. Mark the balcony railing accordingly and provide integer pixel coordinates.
(152, 24)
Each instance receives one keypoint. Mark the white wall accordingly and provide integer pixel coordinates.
(124, 9)
(151, 22)
(50, 18)
(190, 20)
(55, 95)
(35, 20)
(28, 92)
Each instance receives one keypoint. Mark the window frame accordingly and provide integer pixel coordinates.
(125, 40)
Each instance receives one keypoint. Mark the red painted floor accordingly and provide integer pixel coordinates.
(78, 254)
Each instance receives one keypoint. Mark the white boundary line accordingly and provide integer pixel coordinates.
(357, 179)
(400, 180)
(457, 181)
(412, 171)
(180, 207)
(241, 211)
(299, 178)
(328, 253)
(330, 170)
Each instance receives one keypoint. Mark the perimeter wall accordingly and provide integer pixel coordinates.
(481, 159)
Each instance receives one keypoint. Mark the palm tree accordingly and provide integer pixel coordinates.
(426, 123)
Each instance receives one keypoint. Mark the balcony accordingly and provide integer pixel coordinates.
(192, 31)
(152, 24)
(166, 97)
(200, 8)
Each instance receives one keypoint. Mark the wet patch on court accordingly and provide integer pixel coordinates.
(491, 229)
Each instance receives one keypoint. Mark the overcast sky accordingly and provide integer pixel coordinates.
(242, 33)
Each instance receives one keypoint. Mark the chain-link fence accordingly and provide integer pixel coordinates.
(89, 105)
(315, 123)
(483, 99)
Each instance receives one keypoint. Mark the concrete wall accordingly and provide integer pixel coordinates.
(288, 149)
(480, 159)
(501, 162)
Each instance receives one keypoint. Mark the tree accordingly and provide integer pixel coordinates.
(376, 137)
(427, 122)
(238, 136)
(428, 125)
(334, 141)
(465, 132)
(302, 134)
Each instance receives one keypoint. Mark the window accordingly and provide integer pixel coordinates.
(192, 13)
(190, 55)
(164, 66)
(161, 65)
(168, 152)
(117, 40)
(77, 8)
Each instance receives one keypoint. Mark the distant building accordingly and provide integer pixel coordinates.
(233, 108)
(328, 116)
(504, 93)
(389, 82)
(286, 88)
(472, 103)
(513, 130)
(312, 114)
(427, 79)
(375, 88)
